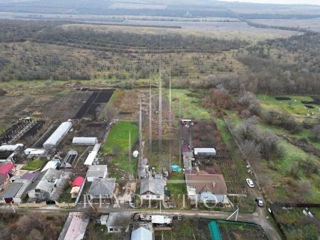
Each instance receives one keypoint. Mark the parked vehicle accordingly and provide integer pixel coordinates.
(259, 201)
(250, 182)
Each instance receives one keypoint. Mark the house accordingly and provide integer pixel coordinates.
(49, 185)
(76, 185)
(102, 189)
(203, 187)
(152, 189)
(96, 172)
(16, 191)
(54, 164)
(141, 233)
(75, 227)
(7, 168)
(118, 222)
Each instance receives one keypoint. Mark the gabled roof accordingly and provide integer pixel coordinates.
(141, 234)
(202, 182)
(6, 168)
(77, 182)
(12, 190)
(103, 187)
(153, 185)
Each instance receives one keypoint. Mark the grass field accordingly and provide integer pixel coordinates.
(294, 106)
(33, 165)
(118, 144)
(188, 105)
(119, 137)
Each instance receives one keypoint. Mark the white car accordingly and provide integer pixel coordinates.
(250, 182)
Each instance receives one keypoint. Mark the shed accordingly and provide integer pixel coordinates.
(141, 234)
(77, 182)
(51, 164)
(205, 152)
(97, 171)
(58, 135)
(214, 231)
(84, 140)
(92, 155)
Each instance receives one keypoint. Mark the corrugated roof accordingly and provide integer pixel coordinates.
(153, 185)
(12, 190)
(103, 187)
(99, 171)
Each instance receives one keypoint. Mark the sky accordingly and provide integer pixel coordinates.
(313, 2)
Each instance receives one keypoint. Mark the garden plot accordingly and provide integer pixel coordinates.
(92, 106)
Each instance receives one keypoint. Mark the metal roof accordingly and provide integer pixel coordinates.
(12, 190)
(207, 151)
(153, 185)
(103, 187)
(58, 135)
(141, 234)
(10, 148)
(92, 155)
(84, 140)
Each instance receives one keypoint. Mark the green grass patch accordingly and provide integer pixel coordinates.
(119, 137)
(293, 106)
(118, 144)
(33, 165)
(187, 104)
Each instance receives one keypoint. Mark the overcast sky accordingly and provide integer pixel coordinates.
(314, 2)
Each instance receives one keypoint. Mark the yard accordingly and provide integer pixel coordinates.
(34, 165)
(186, 104)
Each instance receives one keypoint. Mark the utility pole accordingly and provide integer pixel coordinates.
(170, 122)
(160, 110)
(130, 164)
(140, 131)
(150, 118)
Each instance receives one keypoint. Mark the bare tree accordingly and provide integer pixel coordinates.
(108, 113)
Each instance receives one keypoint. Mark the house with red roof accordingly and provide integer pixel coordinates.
(6, 168)
(76, 185)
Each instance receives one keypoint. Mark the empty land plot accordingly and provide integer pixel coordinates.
(117, 145)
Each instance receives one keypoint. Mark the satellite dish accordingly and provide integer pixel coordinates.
(135, 153)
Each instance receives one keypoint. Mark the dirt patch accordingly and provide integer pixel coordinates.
(91, 107)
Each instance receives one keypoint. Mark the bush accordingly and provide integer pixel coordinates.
(249, 101)
(315, 133)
